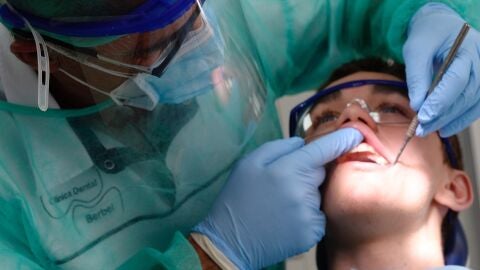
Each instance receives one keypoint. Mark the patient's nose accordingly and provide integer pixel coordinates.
(357, 111)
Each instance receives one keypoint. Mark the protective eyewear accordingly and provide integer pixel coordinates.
(121, 63)
(304, 123)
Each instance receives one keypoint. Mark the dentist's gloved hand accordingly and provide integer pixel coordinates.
(454, 103)
(269, 209)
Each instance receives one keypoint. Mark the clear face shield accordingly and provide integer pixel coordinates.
(141, 130)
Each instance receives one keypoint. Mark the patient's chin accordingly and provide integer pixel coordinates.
(356, 208)
(369, 214)
(377, 186)
(366, 221)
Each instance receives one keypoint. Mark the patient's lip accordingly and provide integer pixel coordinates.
(363, 153)
(371, 139)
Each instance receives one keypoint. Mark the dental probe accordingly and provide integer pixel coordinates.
(451, 54)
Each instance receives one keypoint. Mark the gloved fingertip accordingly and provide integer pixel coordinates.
(445, 133)
(420, 131)
(423, 118)
(296, 141)
(355, 135)
(426, 115)
(415, 104)
(417, 80)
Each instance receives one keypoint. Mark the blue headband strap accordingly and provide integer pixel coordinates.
(152, 15)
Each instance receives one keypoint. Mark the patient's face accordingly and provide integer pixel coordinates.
(363, 184)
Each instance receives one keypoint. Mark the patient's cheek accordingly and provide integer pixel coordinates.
(419, 152)
(392, 137)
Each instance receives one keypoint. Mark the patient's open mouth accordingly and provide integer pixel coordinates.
(363, 153)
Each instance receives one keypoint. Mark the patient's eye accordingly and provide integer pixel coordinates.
(325, 118)
(394, 112)
(391, 108)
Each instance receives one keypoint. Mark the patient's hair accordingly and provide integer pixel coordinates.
(398, 70)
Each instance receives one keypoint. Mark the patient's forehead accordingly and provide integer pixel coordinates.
(363, 75)
(367, 92)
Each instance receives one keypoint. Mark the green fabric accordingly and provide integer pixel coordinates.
(153, 259)
(300, 42)
(278, 266)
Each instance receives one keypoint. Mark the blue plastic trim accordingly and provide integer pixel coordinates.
(7, 16)
(151, 15)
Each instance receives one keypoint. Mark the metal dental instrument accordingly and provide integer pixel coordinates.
(451, 55)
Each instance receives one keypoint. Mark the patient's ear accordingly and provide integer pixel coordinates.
(456, 192)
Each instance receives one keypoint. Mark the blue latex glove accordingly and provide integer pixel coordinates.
(454, 103)
(269, 209)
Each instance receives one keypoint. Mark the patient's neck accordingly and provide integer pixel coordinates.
(417, 249)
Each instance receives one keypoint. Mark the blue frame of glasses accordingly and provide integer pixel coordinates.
(298, 111)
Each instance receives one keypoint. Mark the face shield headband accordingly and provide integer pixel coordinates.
(455, 246)
(151, 15)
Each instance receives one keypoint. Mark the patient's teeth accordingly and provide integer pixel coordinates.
(363, 147)
(375, 157)
(380, 161)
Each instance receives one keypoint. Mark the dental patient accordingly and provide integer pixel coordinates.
(380, 215)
